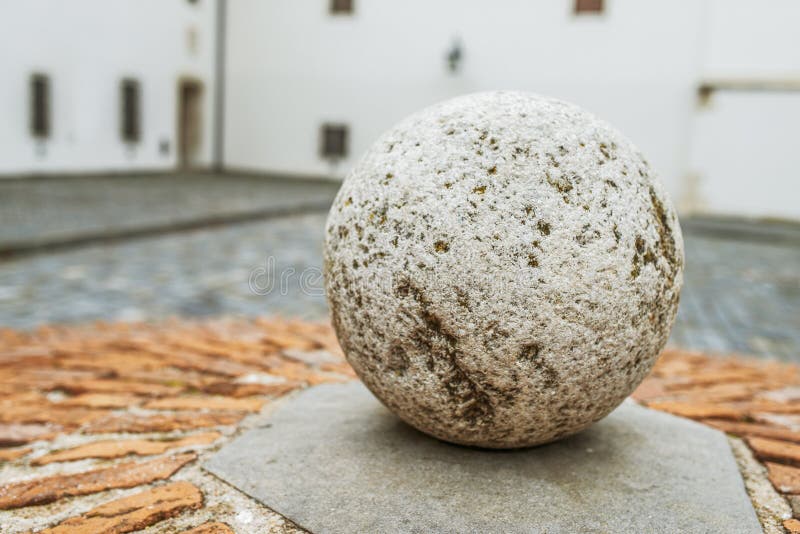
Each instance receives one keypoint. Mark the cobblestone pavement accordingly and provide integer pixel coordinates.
(52, 209)
(195, 274)
(740, 295)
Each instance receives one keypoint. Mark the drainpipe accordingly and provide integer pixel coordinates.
(219, 88)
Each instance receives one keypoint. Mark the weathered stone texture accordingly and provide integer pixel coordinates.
(502, 269)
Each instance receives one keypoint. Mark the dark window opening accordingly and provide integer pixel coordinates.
(588, 6)
(40, 105)
(334, 141)
(341, 6)
(130, 110)
(190, 122)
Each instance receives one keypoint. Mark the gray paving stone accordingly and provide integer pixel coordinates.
(54, 208)
(334, 460)
(741, 292)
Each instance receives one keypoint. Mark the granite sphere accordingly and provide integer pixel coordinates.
(502, 269)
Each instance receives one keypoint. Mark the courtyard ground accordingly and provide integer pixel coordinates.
(110, 427)
(741, 293)
(105, 423)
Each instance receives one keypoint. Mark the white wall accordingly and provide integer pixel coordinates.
(291, 65)
(747, 39)
(747, 155)
(86, 47)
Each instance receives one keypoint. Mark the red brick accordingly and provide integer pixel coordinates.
(201, 362)
(8, 455)
(179, 378)
(202, 402)
(160, 422)
(45, 412)
(342, 368)
(239, 390)
(299, 372)
(767, 406)
(791, 422)
(120, 386)
(715, 393)
(792, 526)
(126, 475)
(699, 410)
(102, 400)
(28, 355)
(786, 479)
(775, 450)
(134, 512)
(43, 379)
(117, 363)
(119, 448)
(754, 429)
(287, 340)
(723, 376)
(652, 388)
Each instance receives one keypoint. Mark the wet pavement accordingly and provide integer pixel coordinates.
(741, 294)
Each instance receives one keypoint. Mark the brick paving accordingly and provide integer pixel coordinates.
(102, 425)
(82, 456)
(757, 400)
(135, 512)
(740, 295)
(79, 456)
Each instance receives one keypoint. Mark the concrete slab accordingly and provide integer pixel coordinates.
(333, 459)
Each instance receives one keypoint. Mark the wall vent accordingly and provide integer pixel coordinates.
(341, 7)
(588, 7)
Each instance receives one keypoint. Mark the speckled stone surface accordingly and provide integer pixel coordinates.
(333, 460)
(502, 269)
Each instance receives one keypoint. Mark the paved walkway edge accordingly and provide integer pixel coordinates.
(332, 459)
(772, 509)
(25, 248)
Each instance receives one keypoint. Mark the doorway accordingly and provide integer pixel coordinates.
(190, 124)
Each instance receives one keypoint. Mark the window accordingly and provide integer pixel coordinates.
(130, 110)
(334, 141)
(588, 7)
(341, 7)
(40, 105)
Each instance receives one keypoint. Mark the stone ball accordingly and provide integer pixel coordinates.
(502, 269)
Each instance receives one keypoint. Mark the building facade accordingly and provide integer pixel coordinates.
(709, 89)
(106, 85)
